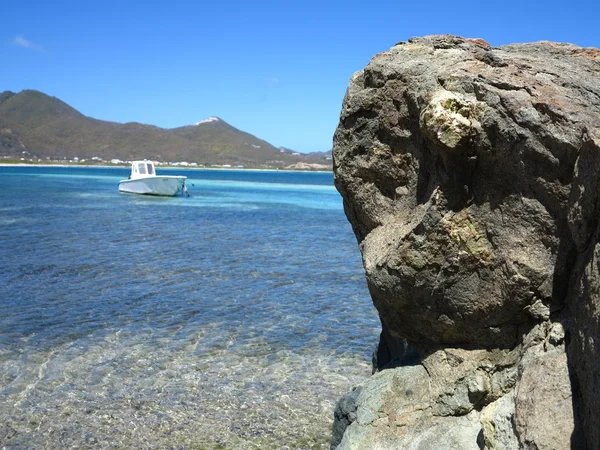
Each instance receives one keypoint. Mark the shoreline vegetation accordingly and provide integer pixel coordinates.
(166, 165)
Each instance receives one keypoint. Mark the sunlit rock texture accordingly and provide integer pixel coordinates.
(471, 177)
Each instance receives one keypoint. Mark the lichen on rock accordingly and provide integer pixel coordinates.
(450, 119)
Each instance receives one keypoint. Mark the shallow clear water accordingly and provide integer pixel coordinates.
(234, 318)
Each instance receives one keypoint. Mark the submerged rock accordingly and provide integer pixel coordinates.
(471, 178)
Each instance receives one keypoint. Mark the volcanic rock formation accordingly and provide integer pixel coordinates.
(471, 178)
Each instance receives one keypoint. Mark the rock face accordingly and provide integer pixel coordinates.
(471, 178)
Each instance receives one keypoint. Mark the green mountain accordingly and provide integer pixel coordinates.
(39, 126)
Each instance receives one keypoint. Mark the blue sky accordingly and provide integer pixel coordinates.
(277, 70)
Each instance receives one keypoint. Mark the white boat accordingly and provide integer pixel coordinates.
(143, 180)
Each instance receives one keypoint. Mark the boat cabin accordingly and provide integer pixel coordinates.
(142, 169)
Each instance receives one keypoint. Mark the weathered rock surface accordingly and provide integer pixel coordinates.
(471, 178)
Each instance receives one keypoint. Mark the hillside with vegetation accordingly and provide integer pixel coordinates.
(38, 126)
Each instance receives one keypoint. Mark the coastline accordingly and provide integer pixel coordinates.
(116, 166)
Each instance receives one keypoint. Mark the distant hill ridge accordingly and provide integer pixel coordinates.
(46, 127)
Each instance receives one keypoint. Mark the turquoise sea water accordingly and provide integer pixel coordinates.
(234, 318)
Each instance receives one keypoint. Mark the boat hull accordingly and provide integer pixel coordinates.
(154, 185)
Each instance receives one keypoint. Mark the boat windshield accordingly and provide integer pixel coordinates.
(150, 169)
(142, 168)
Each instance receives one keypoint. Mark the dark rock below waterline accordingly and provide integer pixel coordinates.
(471, 178)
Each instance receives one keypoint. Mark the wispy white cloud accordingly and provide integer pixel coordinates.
(272, 80)
(21, 41)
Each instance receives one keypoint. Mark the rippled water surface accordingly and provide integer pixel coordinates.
(234, 318)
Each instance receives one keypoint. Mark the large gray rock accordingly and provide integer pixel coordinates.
(471, 178)
(466, 399)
